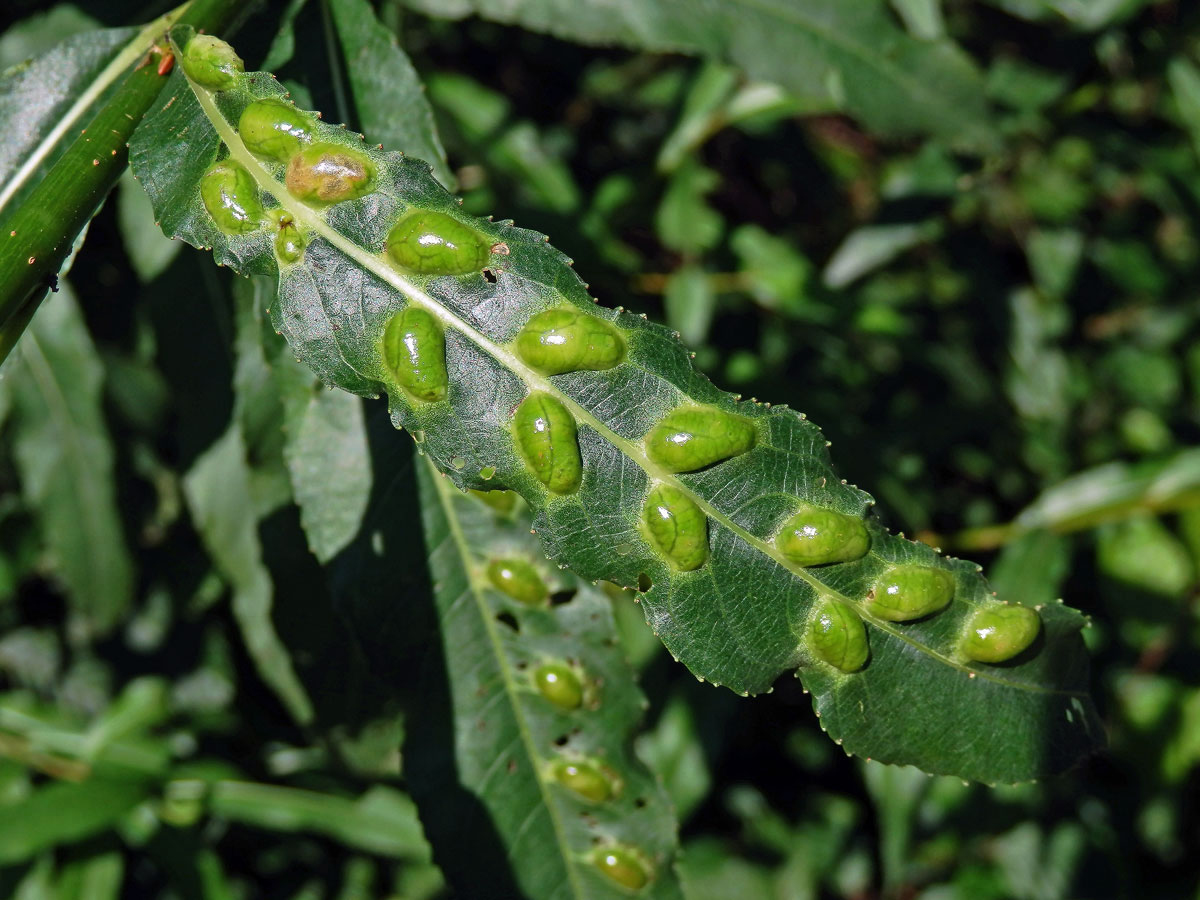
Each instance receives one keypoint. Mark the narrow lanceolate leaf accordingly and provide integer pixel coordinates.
(44, 101)
(753, 556)
(65, 460)
(539, 710)
(854, 56)
(217, 489)
(388, 95)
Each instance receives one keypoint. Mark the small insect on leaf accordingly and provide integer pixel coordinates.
(911, 592)
(329, 173)
(231, 197)
(433, 243)
(559, 684)
(817, 537)
(998, 633)
(694, 437)
(624, 866)
(211, 62)
(414, 351)
(274, 129)
(546, 438)
(677, 526)
(566, 339)
(519, 580)
(836, 635)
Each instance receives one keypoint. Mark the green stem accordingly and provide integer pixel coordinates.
(37, 237)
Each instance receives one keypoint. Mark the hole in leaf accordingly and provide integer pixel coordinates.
(507, 618)
(561, 740)
(558, 598)
(640, 802)
(644, 583)
(489, 276)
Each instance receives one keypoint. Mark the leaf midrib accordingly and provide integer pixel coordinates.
(477, 587)
(376, 266)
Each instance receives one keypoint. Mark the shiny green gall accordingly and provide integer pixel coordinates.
(816, 536)
(289, 243)
(329, 173)
(433, 243)
(414, 351)
(836, 635)
(546, 438)
(231, 198)
(519, 580)
(559, 684)
(569, 340)
(274, 129)
(211, 62)
(591, 782)
(694, 437)
(677, 526)
(910, 592)
(998, 633)
(623, 866)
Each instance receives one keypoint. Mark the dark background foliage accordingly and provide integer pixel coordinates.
(973, 331)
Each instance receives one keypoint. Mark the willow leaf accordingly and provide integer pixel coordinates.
(509, 741)
(741, 612)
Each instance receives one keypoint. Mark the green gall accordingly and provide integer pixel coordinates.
(816, 536)
(677, 526)
(329, 173)
(998, 633)
(590, 782)
(414, 351)
(211, 62)
(289, 243)
(693, 437)
(433, 243)
(231, 197)
(569, 340)
(519, 580)
(910, 592)
(274, 129)
(559, 684)
(836, 635)
(623, 866)
(546, 440)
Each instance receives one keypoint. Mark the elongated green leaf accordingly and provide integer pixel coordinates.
(388, 95)
(381, 821)
(509, 739)
(741, 613)
(218, 492)
(853, 55)
(65, 458)
(42, 103)
(61, 813)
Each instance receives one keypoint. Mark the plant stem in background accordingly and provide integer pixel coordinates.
(38, 236)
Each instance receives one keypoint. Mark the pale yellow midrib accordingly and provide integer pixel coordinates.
(381, 270)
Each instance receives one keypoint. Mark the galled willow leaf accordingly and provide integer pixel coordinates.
(529, 712)
(622, 414)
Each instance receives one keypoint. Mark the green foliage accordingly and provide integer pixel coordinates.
(339, 334)
(994, 323)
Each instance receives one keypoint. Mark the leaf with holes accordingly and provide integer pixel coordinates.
(727, 514)
(529, 711)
